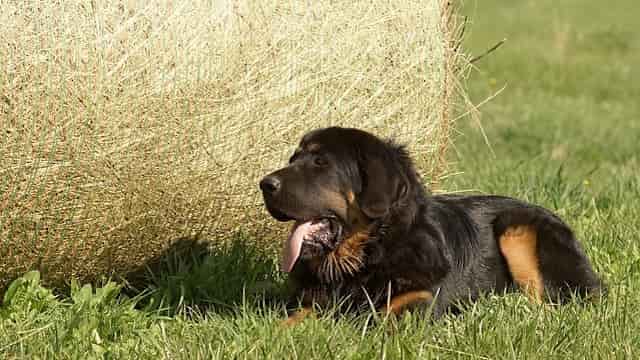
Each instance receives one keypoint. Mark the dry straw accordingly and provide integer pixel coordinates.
(126, 125)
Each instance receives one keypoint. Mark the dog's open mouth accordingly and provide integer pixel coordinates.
(322, 234)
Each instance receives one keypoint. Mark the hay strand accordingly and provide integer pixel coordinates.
(127, 125)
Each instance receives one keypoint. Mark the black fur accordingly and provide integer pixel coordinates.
(446, 244)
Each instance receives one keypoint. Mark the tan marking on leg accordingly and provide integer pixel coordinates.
(401, 302)
(518, 246)
(297, 317)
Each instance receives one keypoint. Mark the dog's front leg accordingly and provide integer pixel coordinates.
(404, 301)
(297, 316)
(306, 300)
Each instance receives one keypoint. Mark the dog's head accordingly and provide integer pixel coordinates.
(337, 182)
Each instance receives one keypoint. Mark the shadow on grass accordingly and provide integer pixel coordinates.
(193, 276)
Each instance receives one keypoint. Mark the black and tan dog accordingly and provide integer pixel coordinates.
(367, 231)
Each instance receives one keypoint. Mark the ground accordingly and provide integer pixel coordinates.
(563, 133)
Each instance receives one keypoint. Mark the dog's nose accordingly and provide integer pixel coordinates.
(270, 184)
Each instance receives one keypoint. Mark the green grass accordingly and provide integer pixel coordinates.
(564, 133)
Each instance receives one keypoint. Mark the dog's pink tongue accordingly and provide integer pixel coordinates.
(293, 245)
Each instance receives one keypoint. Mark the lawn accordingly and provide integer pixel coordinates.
(562, 133)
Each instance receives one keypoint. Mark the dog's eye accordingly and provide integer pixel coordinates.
(320, 161)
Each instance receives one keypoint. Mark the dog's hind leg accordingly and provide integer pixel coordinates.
(543, 256)
(518, 245)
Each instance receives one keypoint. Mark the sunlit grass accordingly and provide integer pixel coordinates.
(564, 135)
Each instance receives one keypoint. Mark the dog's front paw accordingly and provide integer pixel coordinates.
(296, 317)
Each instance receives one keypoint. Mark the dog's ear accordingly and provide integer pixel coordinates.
(383, 184)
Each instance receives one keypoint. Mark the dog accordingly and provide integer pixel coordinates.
(367, 233)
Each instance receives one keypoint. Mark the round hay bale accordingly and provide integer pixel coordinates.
(128, 125)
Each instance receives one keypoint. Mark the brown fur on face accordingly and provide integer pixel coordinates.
(348, 257)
